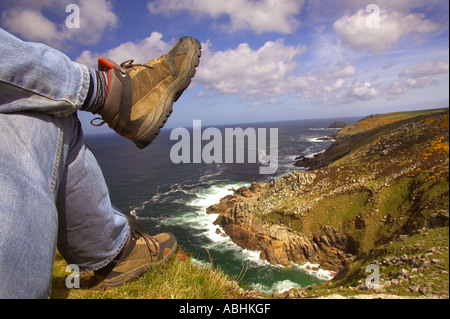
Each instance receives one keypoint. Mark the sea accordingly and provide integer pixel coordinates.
(173, 197)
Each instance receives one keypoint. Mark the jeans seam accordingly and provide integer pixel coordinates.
(85, 72)
(57, 159)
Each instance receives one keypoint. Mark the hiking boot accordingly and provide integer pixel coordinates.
(140, 96)
(139, 255)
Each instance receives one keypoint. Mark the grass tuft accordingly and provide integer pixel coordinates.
(180, 278)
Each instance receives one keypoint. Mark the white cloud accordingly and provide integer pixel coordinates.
(423, 75)
(421, 82)
(268, 72)
(31, 25)
(259, 16)
(27, 20)
(142, 51)
(320, 85)
(362, 91)
(247, 72)
(398, 88)
(393, 25)
(428, 68)
(335, 86)
(273, 72)
(96, 18)
(346, 71)
(420, 76)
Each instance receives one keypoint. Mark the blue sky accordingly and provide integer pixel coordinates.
(263, 60)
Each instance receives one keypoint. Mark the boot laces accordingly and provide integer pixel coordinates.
(149, 240)
(128, 64)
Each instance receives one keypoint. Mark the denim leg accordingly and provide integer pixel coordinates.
(42, 161)
(36, 77)
(30, 156)
(52, 191)
(91, 231)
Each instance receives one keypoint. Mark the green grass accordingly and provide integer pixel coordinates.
(396, 197)
(180, 278)
(378, 120)
(353, 137)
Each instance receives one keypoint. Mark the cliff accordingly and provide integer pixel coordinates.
(371, 188)
(257, 218)
(354, 136)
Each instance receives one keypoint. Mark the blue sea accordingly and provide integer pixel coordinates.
(168, 197)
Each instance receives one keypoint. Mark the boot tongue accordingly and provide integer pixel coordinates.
(126, 250)
(156, 61)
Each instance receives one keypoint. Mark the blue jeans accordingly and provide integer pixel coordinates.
(52, 191)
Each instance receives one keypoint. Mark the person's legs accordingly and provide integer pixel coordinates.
(41, 148)
(90, 231)
(92, 234)
(28, 175)
(41, 166)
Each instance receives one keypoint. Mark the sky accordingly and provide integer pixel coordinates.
(262, 60)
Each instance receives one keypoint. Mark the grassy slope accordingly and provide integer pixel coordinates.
(378, 120)
(354, 136)
(180, 278)
(391, 179)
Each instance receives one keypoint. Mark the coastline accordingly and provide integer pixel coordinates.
(277, 218)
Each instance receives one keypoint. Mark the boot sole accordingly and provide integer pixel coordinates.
(158, 118)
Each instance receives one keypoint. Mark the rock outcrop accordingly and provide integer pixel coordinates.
(278, 243)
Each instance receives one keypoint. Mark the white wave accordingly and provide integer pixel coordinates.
(134, 210)
(316, 271)
(253, 255)
(312, 155)
(207, 198)
(319, 139)
(280, 286)
(208, 177)
(287, 160)
(212, 195)
(162, 197)
(199, 219)
(323, 129)
(286, 285)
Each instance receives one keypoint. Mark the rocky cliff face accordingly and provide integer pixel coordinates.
(391, 183)
(278, 243)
